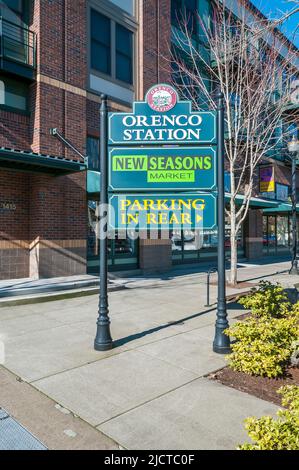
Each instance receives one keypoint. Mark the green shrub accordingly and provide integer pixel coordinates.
(263, 346)
(270, 300)
(265, 342)
(282, 433)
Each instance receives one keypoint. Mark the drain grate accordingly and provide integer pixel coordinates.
(14, 437)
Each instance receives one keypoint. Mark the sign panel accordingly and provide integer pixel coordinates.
(162, 119)
(267, 183)
(150, 168)
(162, 211)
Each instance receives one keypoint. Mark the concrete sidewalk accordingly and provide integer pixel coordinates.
(28, 291)
(151, 390)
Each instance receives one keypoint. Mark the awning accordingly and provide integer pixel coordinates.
(282, 207)
(255, 202)
(12, 159)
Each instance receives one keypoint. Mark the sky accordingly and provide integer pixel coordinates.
(274, 9)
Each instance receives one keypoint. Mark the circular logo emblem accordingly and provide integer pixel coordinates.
(161, 98)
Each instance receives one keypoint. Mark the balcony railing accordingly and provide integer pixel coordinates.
(17, 44)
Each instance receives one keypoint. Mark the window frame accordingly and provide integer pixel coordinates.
(116, 15)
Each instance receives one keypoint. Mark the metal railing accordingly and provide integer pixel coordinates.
(209, 273)
(17, 43)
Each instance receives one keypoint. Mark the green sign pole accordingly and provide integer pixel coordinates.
(103, 340)
(221, 343)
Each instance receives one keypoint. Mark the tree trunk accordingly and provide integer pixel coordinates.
(233, 247)
(233, 260)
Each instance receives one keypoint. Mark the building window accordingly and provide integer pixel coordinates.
(13, 94)
(93, 153)
(184, 12)
(111, 48)
(100, 43)
(16, 10)
(124, 59)
(15, 5)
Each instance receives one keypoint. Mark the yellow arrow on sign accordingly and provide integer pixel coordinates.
(198, 218)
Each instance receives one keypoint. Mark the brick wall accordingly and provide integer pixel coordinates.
(156, 40)
(14, 130)
(14, 226)
(253, 234)
(46, 234)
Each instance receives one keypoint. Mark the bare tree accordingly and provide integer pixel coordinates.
(254, 77)
(294, 9)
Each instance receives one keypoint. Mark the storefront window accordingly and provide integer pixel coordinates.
(282, 231)
(198, 245)
(122, 251)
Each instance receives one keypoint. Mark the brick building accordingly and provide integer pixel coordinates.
(56, 58)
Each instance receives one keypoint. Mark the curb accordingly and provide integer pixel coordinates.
(50, 297)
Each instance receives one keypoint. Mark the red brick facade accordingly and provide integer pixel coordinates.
(44, 227)
(45, 235)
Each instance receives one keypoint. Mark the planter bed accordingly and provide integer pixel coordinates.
(261, 387)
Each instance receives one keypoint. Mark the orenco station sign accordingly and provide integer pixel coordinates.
(161, 146)
(160, 128)
(141, 160)
(168, 123)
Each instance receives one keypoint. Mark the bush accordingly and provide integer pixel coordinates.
(280, 434)
(270, 300)
(263, 346)
(265, 342)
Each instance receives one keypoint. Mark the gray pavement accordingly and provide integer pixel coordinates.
(150, 391)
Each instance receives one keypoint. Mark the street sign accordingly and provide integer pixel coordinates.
(162, 119)
(150, 168)
(164, 211)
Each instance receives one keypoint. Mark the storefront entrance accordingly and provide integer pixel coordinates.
(277, 234)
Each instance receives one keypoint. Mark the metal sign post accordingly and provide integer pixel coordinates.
(221, 343)
(103, 340)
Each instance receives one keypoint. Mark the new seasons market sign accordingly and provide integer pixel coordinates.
(162, 211)
(151, 168)
(162, 119)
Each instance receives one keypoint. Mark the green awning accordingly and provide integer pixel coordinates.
(255, 202)
(282, 207)
(12, 159)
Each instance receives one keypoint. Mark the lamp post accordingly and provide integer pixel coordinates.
(293, 148)
(221, 344)
(103, 340)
